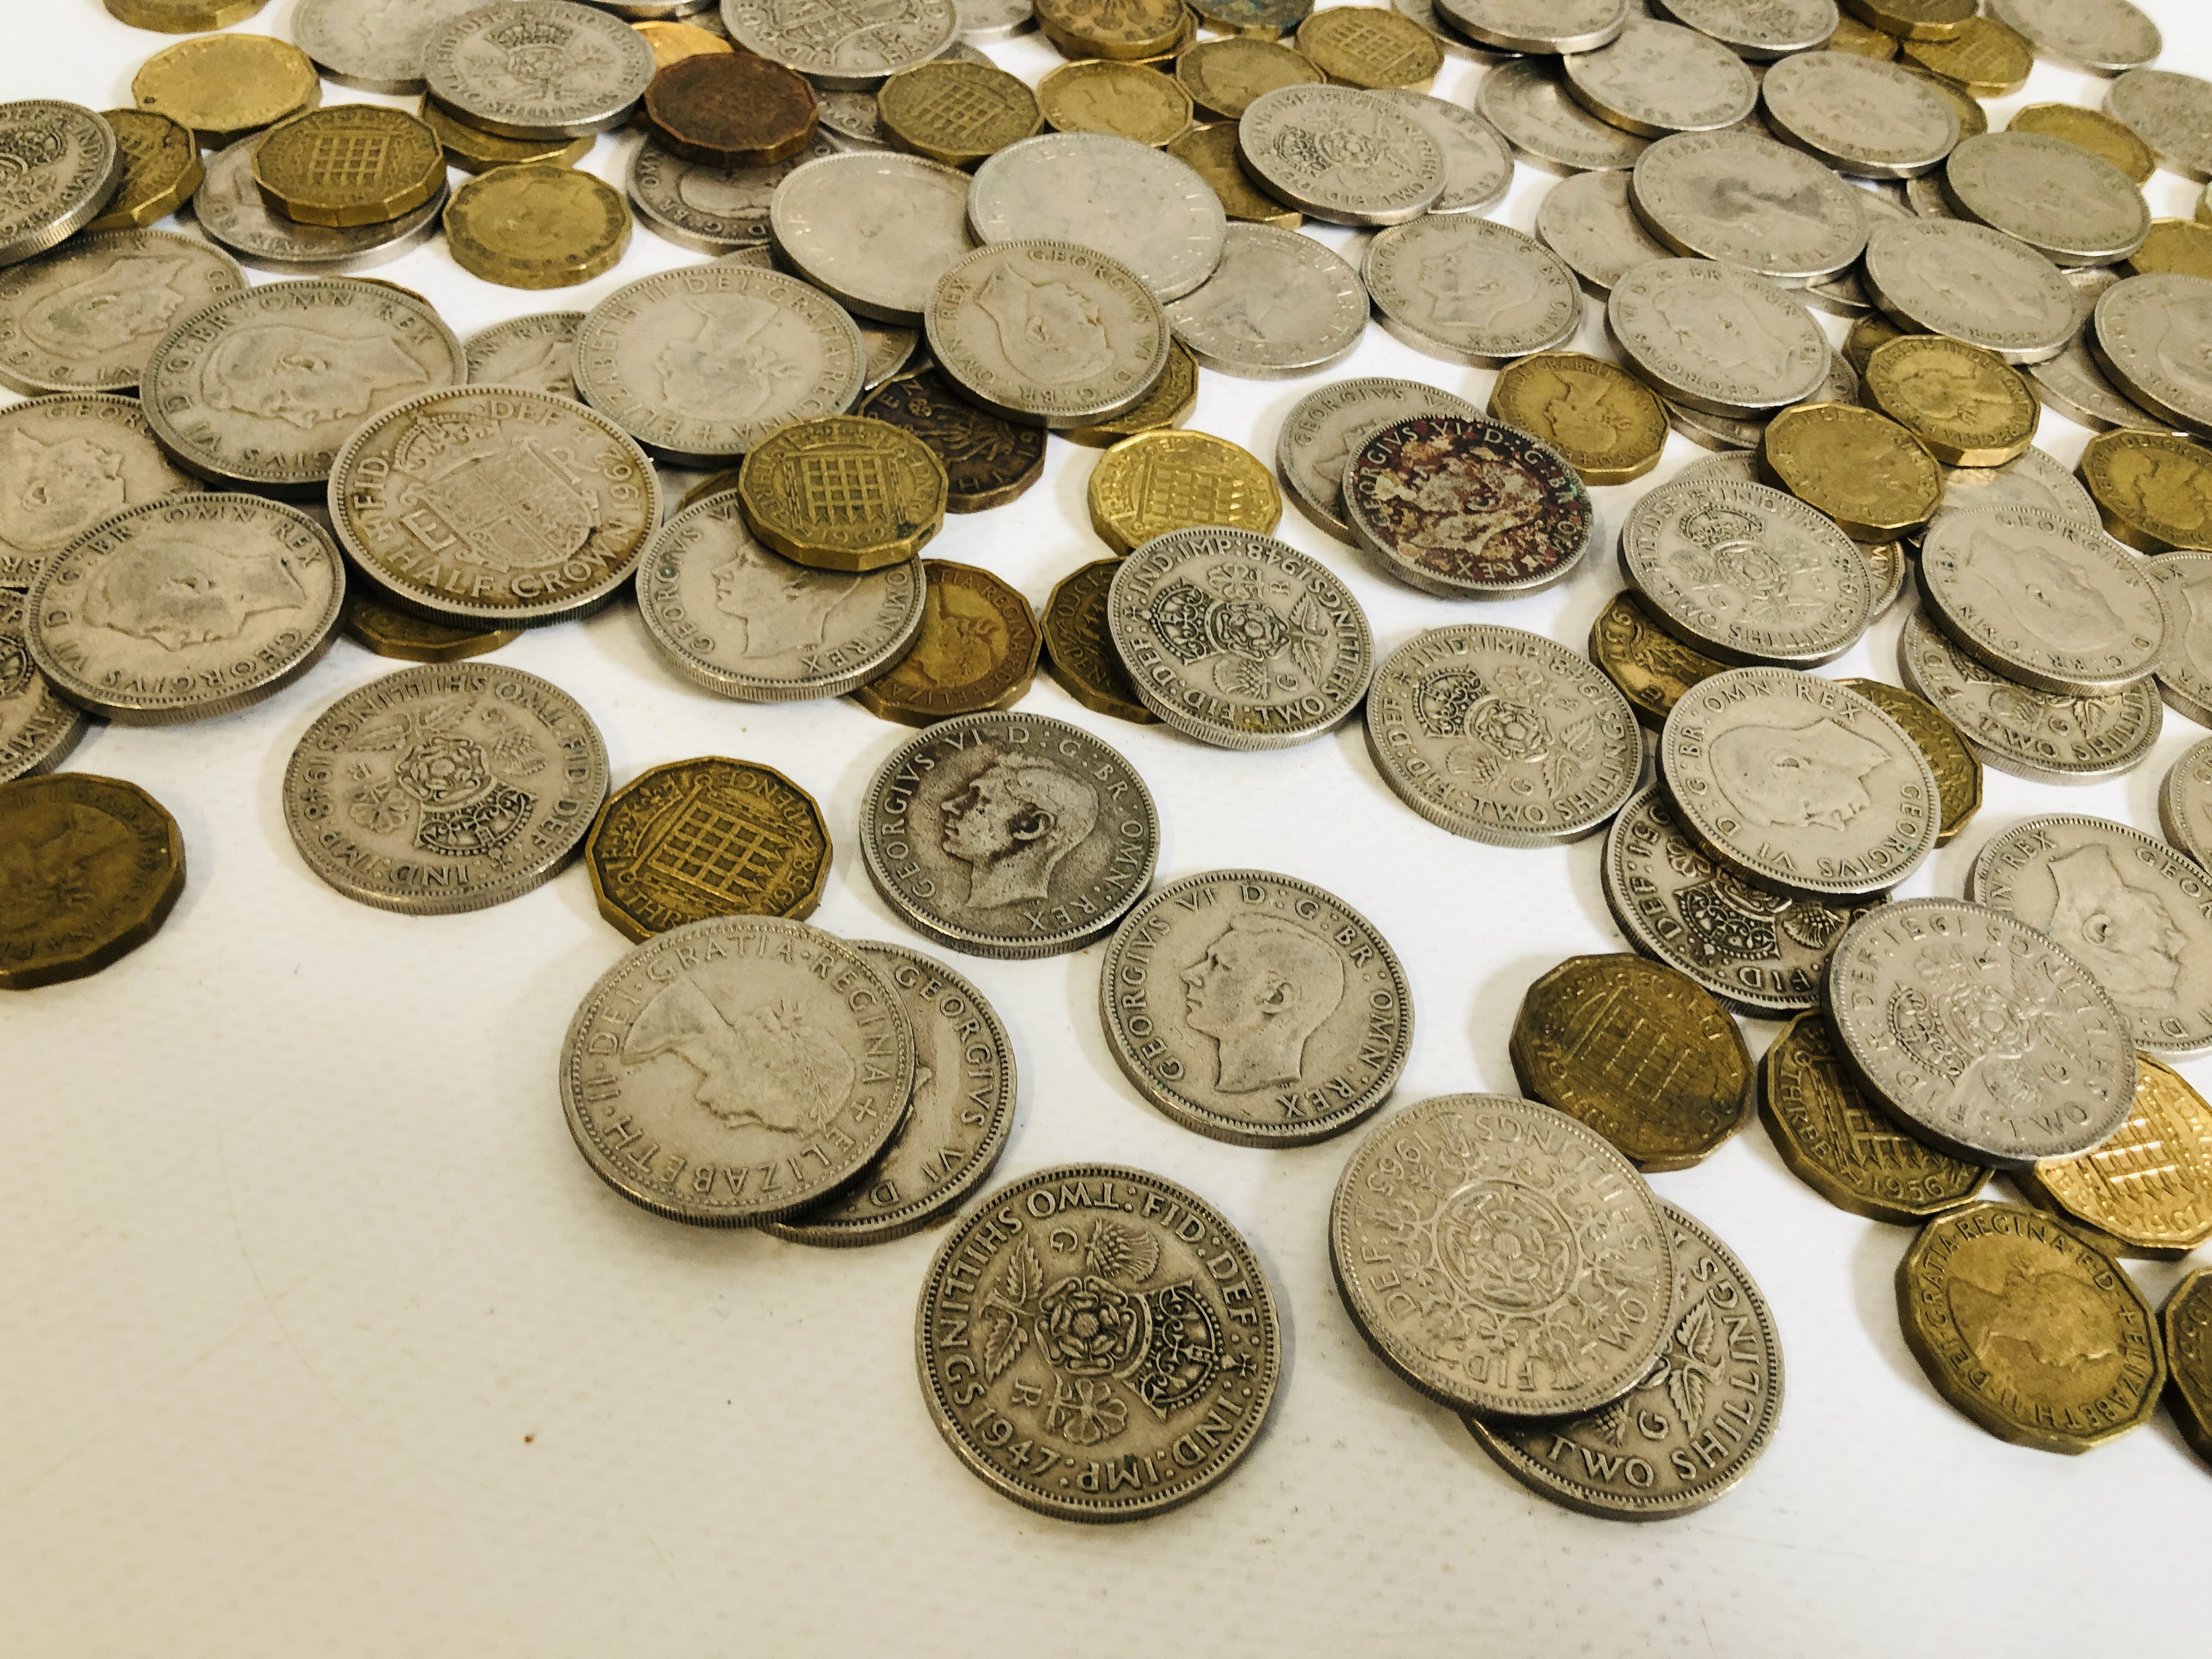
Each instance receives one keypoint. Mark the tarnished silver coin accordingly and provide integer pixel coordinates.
(1502, 735)
(874, 231)
(2132, 910)
(2152, 335)
(745, 622)
(1526, 100)
(186, 609)
(2071, 206)
(2030, 478)
(537, 69)
(1805, 786)
(2105, 37)
(86, 317)
(1756, 29)
(1982, 1036)
(38, 726)
(714, 210)
(700, 364)
(1693, 1425)
(2170, 112)
(260, 388)
(737, 1071)
(1538, 25)
(229, 208)
(1325, 428)
(2185, 802)
(2045, 601)
(374, 45)
(1340, 155)
(1502, 1257)
(1718, 339)
(1478, 167)
(537, 354)
(1278, 305)
(1140, 205)
(1747, 574)
(850, 116)
(2048, 736)
(1471, 290)
(66, 463)
(1749, 201)
(1048, 333)
(1255, 1008)
(1238, 640)
(1656, 78)
(2184, 670)
(62, 166)
(855, 44)
(961, 1115)
(1861, 116)
(1009, 836)
(1589, 221)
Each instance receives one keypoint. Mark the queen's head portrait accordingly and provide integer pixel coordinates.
(784, 608)
(179, 590)
(722, 367)
(131, 300)
(1048, 332)
(765, 1068)
(51, 494)
(2122, 934)
(1262, 989)
(1013, 825)
(305, 378)
(1795, 778)
(2038, 591)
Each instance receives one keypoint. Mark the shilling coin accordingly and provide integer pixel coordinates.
(378, 628)
(1079, 645)
(2149, 1188)
(1502, 735)
(538, 69)
(1131, 101)
(976, 649)
(843, 492)
(1981, 1036)
(2151, 334)
(2094, 131)
(1478, 167)
(2074, 208)
(1158, 482)
(1757, 29)
(108, 863)
(1875, 120)
(1120, 197)
(2186, 1319)
(1224, 76)
(987, 461)
(371, 43)
(1873, 478)
(1964, 405)
(1326, 428)
(1747, 574)
(86, 317)
(1211, 153)
(1690, 189)
(1526, 100)
(1985, 59)
(2172, 113)
(2132, 910)
(1650, 666)
(38, 727)
(537, 227)
(1452, 1214)
(186, 609)
(844, 44)
(1255, 1009)
(2185, 802)
(875, 231)
(536, 353)
(2105, 37)
(1806, 787)
(1341, 155)
(226, 86)
(1471, 290)
(2154, 491)
(1587, 220)
(162, 168)
(706, 837)
(1657, 78)
(229, 209)
(1958, 772)
(2030, 479)
(1716, 338)
(1010, 836)
(66, 463)
(1278, 305)
(1609, 425)
(1526, 26)
(1466, 507)
(2184, 670)
(65, 166)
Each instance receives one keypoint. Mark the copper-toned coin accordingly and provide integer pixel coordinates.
(987, 461)
(977, 651)
(731, 109)
(1653, 669)
(1079, 650)
(101, 865)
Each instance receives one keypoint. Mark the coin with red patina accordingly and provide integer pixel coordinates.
(988, 461)
(730, 110)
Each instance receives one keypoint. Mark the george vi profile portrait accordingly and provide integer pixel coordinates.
(2183, 346)
(784, 608)
(1795, 778)
(179, 590)
(1715, 325)
(724, 368)
(2122, 934)
(767, 1068)
(1013, 824)
(2040, 592)
(305, 378)
(1985, 288)
(131, 300)
(1049, 333)
(1262, 989)
(51, 494)
(1477, 285)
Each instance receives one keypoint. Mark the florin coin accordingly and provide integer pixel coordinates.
(1757, 29)
(1255, 1009)
(1078, 645)
(2150, 334)
(1946, 276)
(2148, 1189)
(730, 110)
(709, 837)
(2028, 1330)
(1958, 772)
(1587, 221)
(390, 633)
(2172, 113)
(1526, 100)
(1277, 306)
(86, 317)
(1502, 735)
(2153, 489)
(1224, 76)
(1652, 669)
(1689, 190)
(537, 227)
(113, 864)
(1471, 290)
(1130, 101)
(1873, 120)
(956, 113)
(2074, 208)
(2184, 670)
(371, 43)
(1657, 78)
(2174, 246)
(1478, 167)
(1862, 470)
(1965, 405)
(1452, 1213)
(1326, 428)
(2186, 1321)
(229, 209)
(538, 69)
(75, 458)
(1211, 153)
(1986, 59)
(1609, 424)
(876, 232)
(222, 86)
(844, 44)
(1113, 195)
(2105, 37)
(1339, 155)
(162, 168)
(1158, 482)
(843, 492)
(1716, 338)
(987, 461)
(1520, 27)
(474, 150)
(1009, 836)
(352, 164)
(65, 166)
(537, 354)
(2031, 479)
(2093, 130)
(38, 727)
(975, 650)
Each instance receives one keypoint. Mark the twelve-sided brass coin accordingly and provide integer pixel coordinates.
(1078, 645)
(2148, 1189)
(844, 492)
(2187, 1323)
(351, 164)
(115, 864)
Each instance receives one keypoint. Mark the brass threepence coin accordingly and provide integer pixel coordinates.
(2153, 489)
(38, 726)
(957, 113)
(989, 461)
(1985, 59)
(844, 492)
(1868, 336)
(1452, 1218)
(672, 42)
(2148, 1189)
(1078, 645)
(1127, 30)
(2186, 1324)
(1609, 424)
(2090, 129)
(709, 837)
(101, 863)
(1853, 36)
(352, 164)
(1915, 20)
(75, 459)
(1210, 151)
(1155, 482)
(976, 650)
(1652, 668)
(86, 317)
(1224, 76)
(1958, 770)
(1370, 47)
(222, 87)
(1872, 476)
(537, 227)
(162, 168)
(391, 633)
(2027, 1330)
(730, 110)
(1124, 101)
(183, 16)
(1965, 404)
(474, 150)
(2178, 247)
(1640, 1053)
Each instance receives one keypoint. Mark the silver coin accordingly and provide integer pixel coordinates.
(63, 164)
(86, 317)
(1657, 78)
(1750, 202)
(1923, 194)
(851, 117)
(1237, 640)
(1716, 338)
(1971, 284)
(747, 622)
(2045, 601)
(1255, 1009)
(982, 21)
(184, 609)
(2132, 910)
(1012, 835)
(66, 463)
(2153, 336)
(374, 45)
(1526, 100)
(712, 210)
(2184, 582)
(38, 727)
(2072, 206)
(737, 1071)
(2047, 735)
(1867, 119)
(1326, 427)
(537, 69)
(1804, 786)
(700, 364)
(1538, 25)
(1048, 333)
(2172, 113)
(1471, 290)
(1140, 205)
(1730, 436)
(1340, 155)
(230, 210)
(2030, 479)
(1587, 221)
(260, 388)
(1747, 574)
(2103, 37)
(2185, 802)
(1982, 1036)
(1278, 305)
(848, 45)
(2074, 385)
(1478, 168)
(648, 11)
(1502, 735)
(890, 349)
(1446, 35)
(1761, 954)
(873, 232)
(1756, 29)
(536, 353)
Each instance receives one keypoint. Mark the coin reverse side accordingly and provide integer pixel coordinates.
(115, 860)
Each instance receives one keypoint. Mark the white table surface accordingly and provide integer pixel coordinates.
(318, 1336)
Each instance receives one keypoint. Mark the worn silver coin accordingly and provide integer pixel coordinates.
(2185, 802)
(1757, 30)
(746, 623)
(2074, 385)
(1923, 194)
(1238, 640)
(2170, 112)
(1009, 834)
(1526, 100)
(1278, 305)
(536, 353)
(1587, 220)
(1325, 428)
(2153, 336)
(1716, 338)
(1971, 284)
(1728, 435)
(1502, 735)
(2184, 670)
(63, 164)
(2072, 206)
(374, 45)
(710, 209)
(67, 462)
(2030, 478)
(537, 69)
(1471, 290)
(850, 116)
(1871, 119)
(850, 45)
(1255, 1008)
(1340, 155)
(1656, 78)
(187, 608)
(38, 726)
(873, 232)
(229, 208)
(2103, 37)
(86, 317)
(1538, 26)
(1748, 201)
(983, 21)
(1981, 1036)
(1142, 206)
(1478, 167)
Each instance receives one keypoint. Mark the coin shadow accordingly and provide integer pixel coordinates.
(1874, 1287)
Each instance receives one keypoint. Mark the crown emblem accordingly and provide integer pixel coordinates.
(1708, 526)
(527, 32)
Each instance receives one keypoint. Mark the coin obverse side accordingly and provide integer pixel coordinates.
(1115, 196)
(1526, 101)
(2185, 802)
(2030, 479)
(225, 86)
(1079, 645)
(1962, 403)
(86, 317)
(1658, 78)
(1280, 305)
(874, 231)
(2148, 1189)
(989, 461)
(1609, 425)
(1339, 155)
(2072, 206)
(1502, 1257)
(1717, 338)
(1958, 770)
(537, 227)
(84, 457)
(1325, 428)
(1869, 119)
(2172, 113)
(377, 47)
(2150, 334)
(117, 860)
(1971, 284)
(38, 727)
(1587, 221)
(1471, 290)
(2153, 489)
(537, 354)
(975, 650)
(538, 69)
(2103, 37)
(1688, 190)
